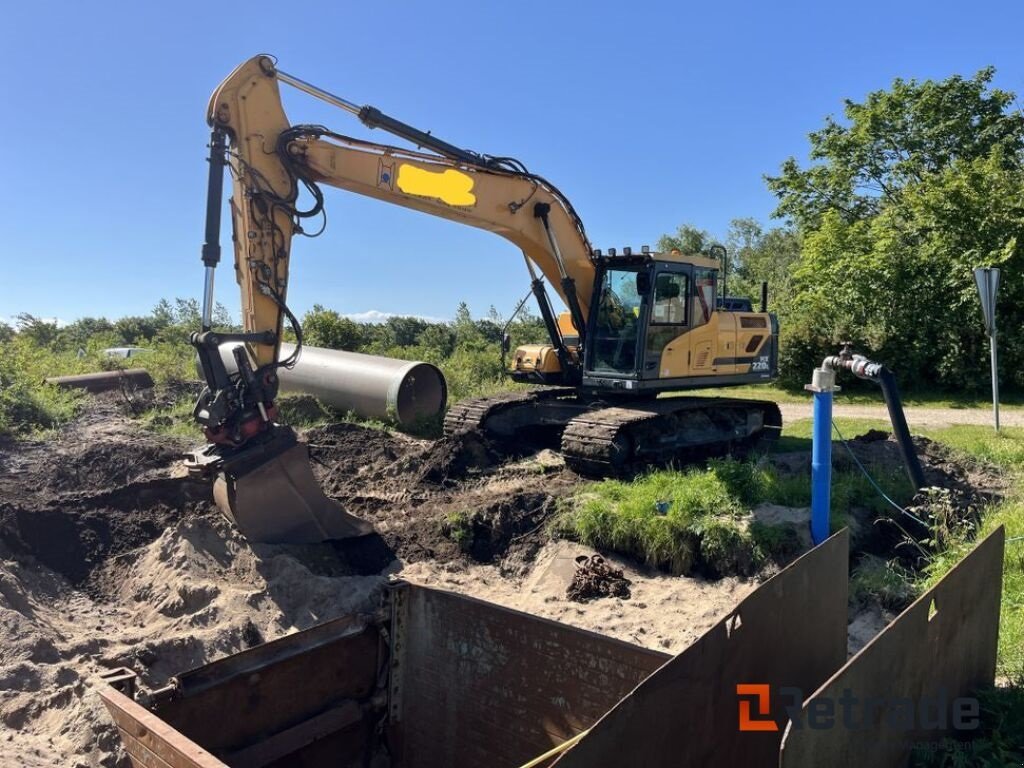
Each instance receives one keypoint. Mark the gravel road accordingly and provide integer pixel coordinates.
(917, 416)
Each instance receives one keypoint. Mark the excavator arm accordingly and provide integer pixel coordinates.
(270, 161)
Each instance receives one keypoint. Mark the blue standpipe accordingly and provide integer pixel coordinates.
(821, 467)
(821, 454)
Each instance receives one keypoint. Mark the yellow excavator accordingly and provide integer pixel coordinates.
(637, 323)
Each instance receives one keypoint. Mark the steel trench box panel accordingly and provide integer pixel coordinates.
(791, 631)
(277, 688)
(918, 655)
(475, 684)
(150, 742)
(238, 701)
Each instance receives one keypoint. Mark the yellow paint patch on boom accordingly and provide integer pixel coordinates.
(448, 186)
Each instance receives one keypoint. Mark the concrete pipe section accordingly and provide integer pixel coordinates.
(370, 386)
(104, 381)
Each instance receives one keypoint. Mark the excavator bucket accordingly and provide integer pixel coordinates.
(280, 502)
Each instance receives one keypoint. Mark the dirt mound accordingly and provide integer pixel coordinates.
(104, 465)
(110, 557)
(450, 499)
(453, 458)
(196, 592)
(488, 532)
(73, 538)
(347, 456)
(942, 466)
(93, 495)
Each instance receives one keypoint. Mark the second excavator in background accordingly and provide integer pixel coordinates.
(636, 324)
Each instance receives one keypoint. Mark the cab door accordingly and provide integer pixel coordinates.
(712, 332)
(667, 347)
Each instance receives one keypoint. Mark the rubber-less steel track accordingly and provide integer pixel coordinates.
(600, 439)
(625, 440)
(474, 412)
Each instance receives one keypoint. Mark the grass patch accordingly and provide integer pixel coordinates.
(695, 520)
(174, 420)
(657, 519)
(778, 542)
(801, 429)
(952, 533)
(700, 519)
(885, 582)
(1004, 449)
(303, 411)
(998, 742)
(1010, 513)
(458, 526)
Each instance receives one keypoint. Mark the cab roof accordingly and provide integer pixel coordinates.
(675, 257)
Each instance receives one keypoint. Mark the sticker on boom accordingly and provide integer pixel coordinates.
(449, 186)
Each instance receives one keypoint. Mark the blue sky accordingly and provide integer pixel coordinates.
(646, 114)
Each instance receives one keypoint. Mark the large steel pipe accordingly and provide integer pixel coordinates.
(104, 381)
(370, 386)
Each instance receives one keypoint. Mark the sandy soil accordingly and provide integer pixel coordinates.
(109, 557)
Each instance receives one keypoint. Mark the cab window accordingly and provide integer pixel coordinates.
(668, 315)
(669, 299)
(616, 331)
(703, 295)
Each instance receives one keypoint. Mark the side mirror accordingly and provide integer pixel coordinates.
(506, 343)
(643, 283)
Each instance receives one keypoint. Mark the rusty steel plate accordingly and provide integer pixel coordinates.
(476, 684)
(791, 631)
(312, 689)
(940, 648)
(148, 740)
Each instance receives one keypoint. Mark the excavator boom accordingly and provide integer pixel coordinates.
(262, 477)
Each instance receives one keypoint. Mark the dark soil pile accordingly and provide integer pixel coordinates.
(594, 579)
(450, 499)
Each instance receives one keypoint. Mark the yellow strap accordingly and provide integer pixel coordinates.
(556, 750)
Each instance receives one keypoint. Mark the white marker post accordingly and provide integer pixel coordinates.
(987, 279)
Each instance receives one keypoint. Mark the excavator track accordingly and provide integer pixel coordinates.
(474, 413)
(619, 441)
(601, 440)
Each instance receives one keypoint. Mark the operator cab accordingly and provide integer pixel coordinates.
(654, 326)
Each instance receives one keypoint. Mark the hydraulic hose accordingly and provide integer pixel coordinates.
(865, 369)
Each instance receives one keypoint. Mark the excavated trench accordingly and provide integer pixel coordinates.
(111, 557)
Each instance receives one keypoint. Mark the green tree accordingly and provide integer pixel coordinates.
(895, 138)
(405, 331)
(137, 329)
(757, 255)
(43, 333)
(438, 338)
(465, 328)
(919, 185)
(326, 328)
(187, 314)
(76, 335)
(687, 239)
